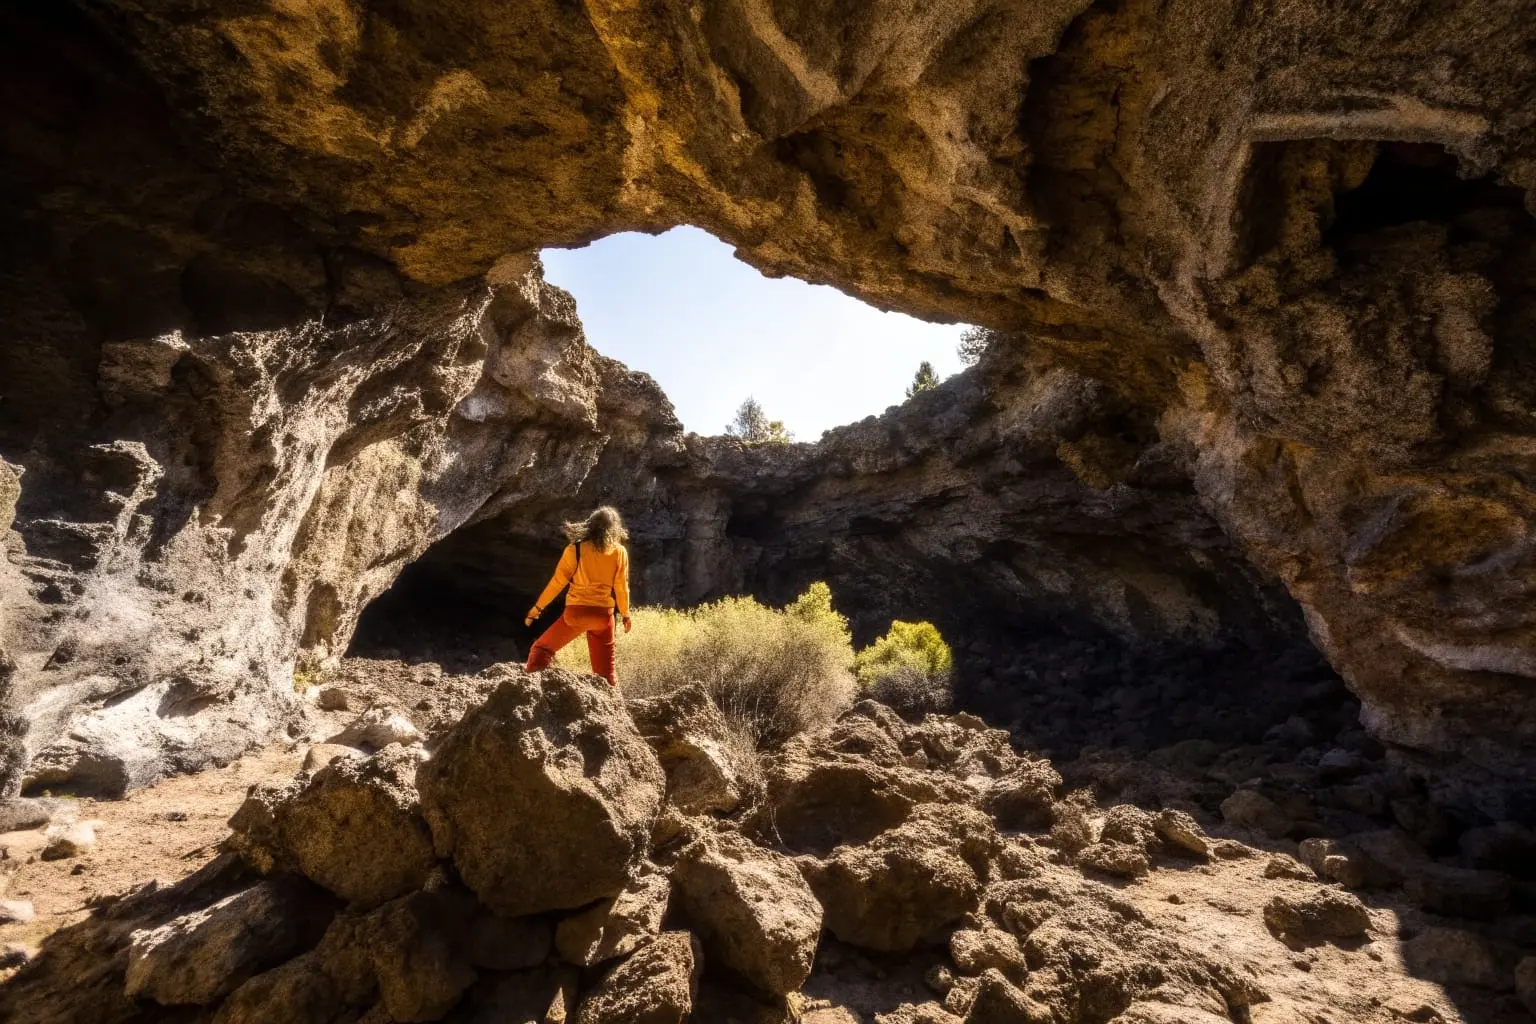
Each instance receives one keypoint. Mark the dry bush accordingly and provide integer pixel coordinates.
(772, 671)
(910, 669)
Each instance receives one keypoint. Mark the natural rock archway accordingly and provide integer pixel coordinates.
(265, 341)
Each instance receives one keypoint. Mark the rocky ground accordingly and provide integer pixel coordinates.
(502, 847)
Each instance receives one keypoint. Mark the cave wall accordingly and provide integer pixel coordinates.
(244, 250)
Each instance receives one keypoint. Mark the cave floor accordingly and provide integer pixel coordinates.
(162, 834)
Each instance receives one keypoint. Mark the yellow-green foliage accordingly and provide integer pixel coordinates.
(775, 671)
(917, 646)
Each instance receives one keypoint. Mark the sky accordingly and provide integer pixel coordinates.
(713, 331)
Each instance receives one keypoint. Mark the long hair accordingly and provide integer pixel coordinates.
(603, 528)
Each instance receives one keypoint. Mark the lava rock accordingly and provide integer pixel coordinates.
(297, 992)
(322, 754)
(1459, 892)
(19, 814)
(657, 984)
(1181, 833)
(1452, 956)
(751, 909)
(1336, 861)
(1130, 825)
(376, 729)
(545, 795)
(1525, 983)
(1281, 865)
(1317, 915)
(1248, 808)
(1117, 859)
(206, 954)
(355, 828)
(615, 927)
(909, 885)
(697, 750)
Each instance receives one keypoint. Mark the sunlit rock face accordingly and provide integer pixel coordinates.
(250, 349)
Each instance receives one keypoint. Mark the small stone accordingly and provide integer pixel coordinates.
(175, 815)
(16, 912)
(333, 698)
(1116, 859)
(377, 728)
(1451, 956)
(1317, 915)
(322, 754)
(1231, 849)
(1179, 831)
(1282, 866)
(70, 841)
(1248, 808)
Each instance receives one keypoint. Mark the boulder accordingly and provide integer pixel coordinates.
(1316, 915)
(977, 950)
(1248, 808)
(615, 927)
(657, 984)
(708, 767)
(1506, 846)
(376, 729)
(753, 912)
(909, 885)
(1181, 833)
(414, 946)
(1117, 859)
(1022, 798)
(202, 956)
(545, 995)
(999, 1001)
(1453, 956)
(545, 795)
(355, 827)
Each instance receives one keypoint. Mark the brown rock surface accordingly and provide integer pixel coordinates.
(656, 984)
(543, 796)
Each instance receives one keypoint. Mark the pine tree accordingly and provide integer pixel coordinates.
(924, 379)
(974, 341)
(753, 426)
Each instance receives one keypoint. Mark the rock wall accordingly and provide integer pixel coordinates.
(246, 254)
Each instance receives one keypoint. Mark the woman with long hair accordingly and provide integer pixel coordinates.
(595, 565)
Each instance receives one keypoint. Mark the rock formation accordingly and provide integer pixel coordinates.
(1263, 273)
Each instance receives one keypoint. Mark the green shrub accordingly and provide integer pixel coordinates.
(774, 672)
(910, 669)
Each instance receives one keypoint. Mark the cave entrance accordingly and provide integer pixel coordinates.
(461, 604)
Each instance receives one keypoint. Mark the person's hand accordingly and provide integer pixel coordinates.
(627, 624)
(533, 613)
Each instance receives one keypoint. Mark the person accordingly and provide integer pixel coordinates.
(595, 565)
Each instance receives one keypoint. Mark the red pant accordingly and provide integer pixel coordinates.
(597, 623)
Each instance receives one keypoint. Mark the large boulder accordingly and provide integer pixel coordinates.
(297, 992)
(708, 767)
(656, 985)
(545, 795)
(204, 955)
(355, 827)
(753, 911)
(909, 885)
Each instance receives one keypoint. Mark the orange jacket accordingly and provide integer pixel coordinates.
(601, 581)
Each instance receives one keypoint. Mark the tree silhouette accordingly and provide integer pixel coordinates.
(924, 379)
(974, 341)
(753, 426)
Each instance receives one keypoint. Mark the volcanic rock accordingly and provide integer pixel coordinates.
(910, 885)
(543, 796)
(696, 748)
(1452, 956)
(655, 985)
(615, 927)
(1316, 915)
(376, 729)
(355, 827)
(1116, 859)
(201, 956)
(751, 909)
(1181, 833)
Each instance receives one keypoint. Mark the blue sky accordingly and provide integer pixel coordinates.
(712, 331)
